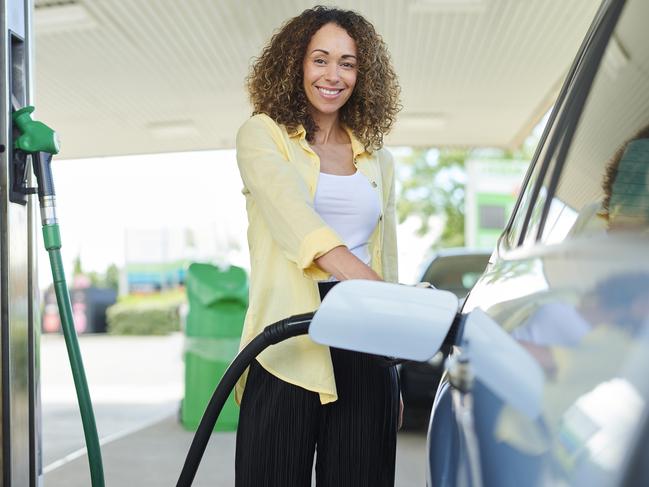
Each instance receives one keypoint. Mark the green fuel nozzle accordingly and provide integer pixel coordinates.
(42, 143)
(35, 136)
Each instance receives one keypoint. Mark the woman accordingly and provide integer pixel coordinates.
(320, 200)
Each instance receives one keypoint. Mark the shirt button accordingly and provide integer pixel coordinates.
(381, 217)
(374, 184)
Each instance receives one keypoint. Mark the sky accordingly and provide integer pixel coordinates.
(102, 200)
(99, 200)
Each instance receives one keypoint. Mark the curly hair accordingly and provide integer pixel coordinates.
(276, 76)
(613, 165)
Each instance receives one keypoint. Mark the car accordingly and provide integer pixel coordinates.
(546, 370)
(568, 285)
(455, 270)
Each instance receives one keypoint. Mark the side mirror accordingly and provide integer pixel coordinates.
(385, 319)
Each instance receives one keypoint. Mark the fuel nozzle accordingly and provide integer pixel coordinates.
(35, 136)
(42, 143)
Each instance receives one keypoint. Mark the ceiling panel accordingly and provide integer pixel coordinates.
(144, 76)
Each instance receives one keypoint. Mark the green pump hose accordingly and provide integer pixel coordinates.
(52, 239)
(41, 142)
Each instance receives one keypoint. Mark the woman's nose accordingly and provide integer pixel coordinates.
(332, 72)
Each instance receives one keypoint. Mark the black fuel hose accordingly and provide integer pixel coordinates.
(275, 333)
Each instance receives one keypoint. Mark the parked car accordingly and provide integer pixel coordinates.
(546, 382)
(455, 270)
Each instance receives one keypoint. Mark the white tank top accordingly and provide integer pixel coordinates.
(350, 206)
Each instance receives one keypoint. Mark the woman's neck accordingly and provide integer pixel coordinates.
(330, 130)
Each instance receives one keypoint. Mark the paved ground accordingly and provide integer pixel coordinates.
(133, 381)
(136, 384)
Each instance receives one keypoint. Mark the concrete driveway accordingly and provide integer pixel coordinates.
(136, 385)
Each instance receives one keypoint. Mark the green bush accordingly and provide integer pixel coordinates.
(145, 315)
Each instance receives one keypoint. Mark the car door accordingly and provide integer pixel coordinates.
(569, 284)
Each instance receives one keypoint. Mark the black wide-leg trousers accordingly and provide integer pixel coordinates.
(282, 427)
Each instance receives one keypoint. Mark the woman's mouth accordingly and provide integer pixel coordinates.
(329, 93)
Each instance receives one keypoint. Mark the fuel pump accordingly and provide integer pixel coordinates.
(20, 431)
(23, 140)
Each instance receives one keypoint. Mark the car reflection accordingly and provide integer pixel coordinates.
(589, 405)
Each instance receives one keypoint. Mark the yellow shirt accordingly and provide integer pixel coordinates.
(285, 234)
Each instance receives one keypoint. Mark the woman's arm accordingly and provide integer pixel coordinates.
(282, 196)
(343, 265)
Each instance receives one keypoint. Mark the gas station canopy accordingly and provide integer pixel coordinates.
(122, 77)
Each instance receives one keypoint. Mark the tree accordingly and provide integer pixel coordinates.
(112, 277)
(432, 184)
(77, 266)
(109, 279)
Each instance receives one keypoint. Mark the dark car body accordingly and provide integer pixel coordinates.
(455, 270)
(569, 284)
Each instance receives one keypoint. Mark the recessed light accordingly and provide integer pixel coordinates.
(176, 129)
(62, 18)
(469, 6)
(421, 121)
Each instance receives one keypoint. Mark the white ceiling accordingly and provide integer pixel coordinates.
(144, 76)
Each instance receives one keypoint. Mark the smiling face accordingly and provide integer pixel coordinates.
(330, 69)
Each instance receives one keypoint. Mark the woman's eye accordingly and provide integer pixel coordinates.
(348, 65)
(319, 61)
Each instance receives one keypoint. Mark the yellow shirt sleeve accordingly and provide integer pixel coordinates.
(282, 196)
(389, 244)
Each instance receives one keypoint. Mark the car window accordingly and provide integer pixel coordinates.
(519, 218)
(529, 215)
(537, 209)
(604, 184)
(525, 220)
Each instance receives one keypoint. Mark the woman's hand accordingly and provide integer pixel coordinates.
(343, 265)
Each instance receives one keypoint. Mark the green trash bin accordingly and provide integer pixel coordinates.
(218, 299)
